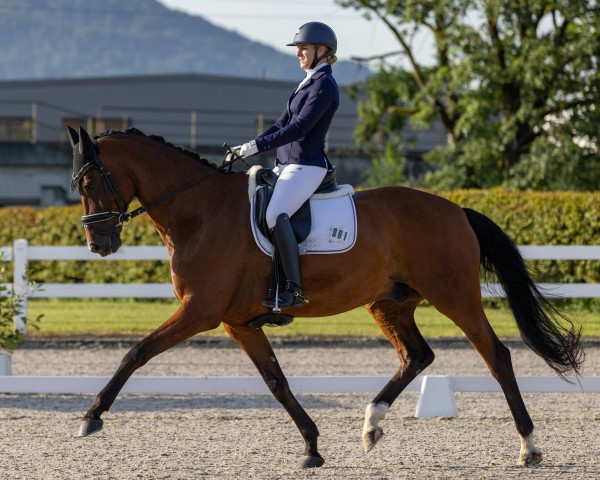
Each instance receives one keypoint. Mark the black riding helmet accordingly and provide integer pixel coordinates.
(316, 33)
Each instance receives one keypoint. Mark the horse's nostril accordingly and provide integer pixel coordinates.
(94, 247)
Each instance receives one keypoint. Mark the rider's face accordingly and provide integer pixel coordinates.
(306, 54)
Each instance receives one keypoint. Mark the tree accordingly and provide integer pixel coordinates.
(514, 84)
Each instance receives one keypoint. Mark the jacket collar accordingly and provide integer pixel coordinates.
(319, 73)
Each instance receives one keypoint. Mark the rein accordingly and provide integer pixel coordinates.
(123, 215)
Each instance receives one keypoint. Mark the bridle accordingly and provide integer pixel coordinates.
(111, 189)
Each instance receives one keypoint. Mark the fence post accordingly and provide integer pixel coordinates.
(20, 281)
(436, 398)
(5, 364)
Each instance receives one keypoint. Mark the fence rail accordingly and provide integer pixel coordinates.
(436, 392)
(21, 253)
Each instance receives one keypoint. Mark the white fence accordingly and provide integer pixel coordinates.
(436, 392)
(436, 398)
(21, 253)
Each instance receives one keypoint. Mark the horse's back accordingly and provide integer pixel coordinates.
(410, 209)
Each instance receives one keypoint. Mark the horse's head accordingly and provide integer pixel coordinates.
(104, 198)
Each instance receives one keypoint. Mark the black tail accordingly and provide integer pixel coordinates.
(547, 332)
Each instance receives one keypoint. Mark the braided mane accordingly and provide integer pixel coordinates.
(160, 139)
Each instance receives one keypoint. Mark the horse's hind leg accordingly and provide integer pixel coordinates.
(257, 347)
(398, 324)
(183, 324)
(497, 357)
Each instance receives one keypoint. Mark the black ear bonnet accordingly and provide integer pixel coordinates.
(85, 154)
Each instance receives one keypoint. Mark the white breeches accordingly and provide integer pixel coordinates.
(295, 185)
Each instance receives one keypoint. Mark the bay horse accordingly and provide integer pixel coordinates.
(408, 241)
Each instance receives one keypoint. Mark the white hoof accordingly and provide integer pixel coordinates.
(371, 438)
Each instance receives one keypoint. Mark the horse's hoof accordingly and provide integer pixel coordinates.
(312, 462)
(531, 459)
(371, 438)
(91, 426)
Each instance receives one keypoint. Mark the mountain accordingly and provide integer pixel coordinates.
(93, 38)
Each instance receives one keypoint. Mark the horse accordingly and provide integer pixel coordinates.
(411, 246)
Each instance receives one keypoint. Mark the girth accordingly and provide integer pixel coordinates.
(301, 220)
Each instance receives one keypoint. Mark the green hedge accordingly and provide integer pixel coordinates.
(61, 226)
(530, 218)
(544, 218)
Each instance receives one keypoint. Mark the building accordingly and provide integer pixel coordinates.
(200, 112)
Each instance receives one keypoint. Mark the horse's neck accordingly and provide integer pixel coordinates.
(193, 221)
(158, 173)
(157, 178)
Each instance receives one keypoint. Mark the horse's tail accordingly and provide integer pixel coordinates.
(547, 332)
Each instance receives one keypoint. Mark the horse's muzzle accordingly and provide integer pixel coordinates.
(104, 245)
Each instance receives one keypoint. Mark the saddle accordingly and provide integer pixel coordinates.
(301, 223)
(301, 220)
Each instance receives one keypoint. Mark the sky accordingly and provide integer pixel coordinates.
(274, 22)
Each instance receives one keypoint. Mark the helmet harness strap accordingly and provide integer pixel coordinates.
(316, 58)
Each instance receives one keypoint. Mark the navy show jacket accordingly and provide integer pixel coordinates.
(299, 134)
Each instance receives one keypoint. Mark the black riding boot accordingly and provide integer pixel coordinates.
(286, 246)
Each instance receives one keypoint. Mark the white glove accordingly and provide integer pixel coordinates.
(242, 151)
(247, 149)
(232, 155)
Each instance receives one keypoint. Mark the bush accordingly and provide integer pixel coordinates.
(58, 226)
(545, 218)
(11, 306)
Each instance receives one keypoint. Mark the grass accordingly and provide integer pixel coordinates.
(127, 317)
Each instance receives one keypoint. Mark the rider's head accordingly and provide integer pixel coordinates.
(322, 41)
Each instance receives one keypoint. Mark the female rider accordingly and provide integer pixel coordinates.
(299, 137)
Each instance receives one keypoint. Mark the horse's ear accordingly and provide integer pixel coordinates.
(73, 136)
(86, 147)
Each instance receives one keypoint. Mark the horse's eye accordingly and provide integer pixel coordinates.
(87, 189)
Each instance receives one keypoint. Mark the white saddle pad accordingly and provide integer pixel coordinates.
(333, 221)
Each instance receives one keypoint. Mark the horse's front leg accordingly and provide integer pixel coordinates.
(257, 346)
(183, 324)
